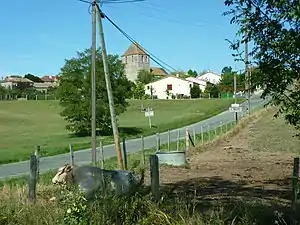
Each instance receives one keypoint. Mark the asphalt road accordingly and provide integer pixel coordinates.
(133, 145)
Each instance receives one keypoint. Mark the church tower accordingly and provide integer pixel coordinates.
(135, 59)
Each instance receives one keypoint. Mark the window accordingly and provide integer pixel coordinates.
(131, 58)
(169, 87)
(190, 85)
(142, 58)
(148, 87)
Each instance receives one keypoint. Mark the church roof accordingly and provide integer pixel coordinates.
(135, 49)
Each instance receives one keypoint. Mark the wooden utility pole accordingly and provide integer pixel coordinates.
(109, 89)
(247, 87)
(93, 80)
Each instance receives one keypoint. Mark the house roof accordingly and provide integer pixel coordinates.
(170, 76)
(196, 80)
(17, 79)
(159, 71)
(49, 78)
(135, 49)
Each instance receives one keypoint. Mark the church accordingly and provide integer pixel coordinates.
(136, 59)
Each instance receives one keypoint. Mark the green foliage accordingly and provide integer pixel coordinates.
(273, 28)
(74, 92)
(226, 84)
(195, 91)
(213, 90)
(139, 91)
(76, 206)
(144, 77)
(192, 73)
(33, 78)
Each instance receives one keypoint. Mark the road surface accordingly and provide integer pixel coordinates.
(132, 145)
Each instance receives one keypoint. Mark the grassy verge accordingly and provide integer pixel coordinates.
(178, 209)
(26, 124)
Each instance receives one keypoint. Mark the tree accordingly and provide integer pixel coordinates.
(139, 91)
(273, 28)
(33, 78)
(195, 91)
(74, 92)
(213, 90)
(192, 73)
(144, 77)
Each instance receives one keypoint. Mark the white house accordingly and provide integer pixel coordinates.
(210, 77)
(201, 83)
(169, 85)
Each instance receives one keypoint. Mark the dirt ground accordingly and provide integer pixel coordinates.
(255, 163)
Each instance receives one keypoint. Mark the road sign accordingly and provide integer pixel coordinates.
(149, 113)
(235, 108)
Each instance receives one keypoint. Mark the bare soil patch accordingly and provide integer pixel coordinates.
(243, 166)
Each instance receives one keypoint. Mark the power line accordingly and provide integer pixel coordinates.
(152, 56)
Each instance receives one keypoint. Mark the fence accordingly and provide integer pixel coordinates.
(27, 97)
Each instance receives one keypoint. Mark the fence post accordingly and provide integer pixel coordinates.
(216, 131)
(169, 140)
(101, 154)
(187, 140)
(143, 150)
(202, 135)
(221, 127)
(157, 142)
(32, 178)
(295, 183)
(194, 136)
(124, 154)
(178, 140)
(37, 155)
(154, 173)
(71, 154)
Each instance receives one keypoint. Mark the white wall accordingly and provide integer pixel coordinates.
(201, 83)
(179, 86)
(210, 77)
(8, 84)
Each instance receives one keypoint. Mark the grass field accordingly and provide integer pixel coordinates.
(26, 124)
(242, 178)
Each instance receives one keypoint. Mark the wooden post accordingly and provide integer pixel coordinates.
(157, 142)
(124, 154)
(178, 140)
(187, 140)
(202, 135)
(169, 140)
(32, 178)
(208, 130)
(37, 155)
(154, 173)
(221, 127)
(101, 154)
(71, 154)
(143, 150)
(194, 136)
(216, 131)
(295, 183)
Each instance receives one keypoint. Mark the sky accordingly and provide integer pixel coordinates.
(37, 36)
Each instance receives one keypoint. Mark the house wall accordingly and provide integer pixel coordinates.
(201, 83)
(7, 84)
(135, 63)
(179, 86)
(210, 77)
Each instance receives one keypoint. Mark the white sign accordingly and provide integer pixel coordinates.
(235, 109)
(149, 113)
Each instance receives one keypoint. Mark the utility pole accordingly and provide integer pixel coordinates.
(93, 80)
(247, 75)
(234, 81)
(109, 89)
